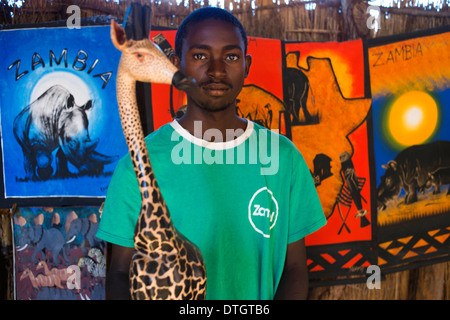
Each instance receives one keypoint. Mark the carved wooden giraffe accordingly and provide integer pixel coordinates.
(165, 264)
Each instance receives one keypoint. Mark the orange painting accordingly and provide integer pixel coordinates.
(337, 132)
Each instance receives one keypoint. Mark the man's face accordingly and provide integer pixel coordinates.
(213, 54)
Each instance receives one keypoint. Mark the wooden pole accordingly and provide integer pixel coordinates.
(6, 256)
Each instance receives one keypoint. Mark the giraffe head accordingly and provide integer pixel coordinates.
(141, 59)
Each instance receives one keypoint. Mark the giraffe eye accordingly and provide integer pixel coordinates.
(139, 56)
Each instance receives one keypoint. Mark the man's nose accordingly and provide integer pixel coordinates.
(216, 68)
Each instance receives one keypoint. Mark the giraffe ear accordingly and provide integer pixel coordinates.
(118, 36)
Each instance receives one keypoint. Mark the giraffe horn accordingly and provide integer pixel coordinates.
(133, 22)
(136, 26)
(127, 24)
(139, 26)
(137, 21)
(147, 25)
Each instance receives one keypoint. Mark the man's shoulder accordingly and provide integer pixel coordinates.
(163, 132)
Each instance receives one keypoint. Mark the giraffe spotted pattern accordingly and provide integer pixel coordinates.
(165, 264)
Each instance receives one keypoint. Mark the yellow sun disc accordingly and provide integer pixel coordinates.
(413, 118)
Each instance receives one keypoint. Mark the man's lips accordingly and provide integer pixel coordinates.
(215, 89)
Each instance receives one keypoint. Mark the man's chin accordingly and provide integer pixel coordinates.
(211, 107)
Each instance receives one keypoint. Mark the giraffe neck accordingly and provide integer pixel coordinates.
(134, 136)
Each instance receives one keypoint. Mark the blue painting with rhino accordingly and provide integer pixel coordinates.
(410, 87)
(60, 128)
(411, 134)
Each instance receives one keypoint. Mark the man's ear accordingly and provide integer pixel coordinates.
(176, 61)
(248, 63)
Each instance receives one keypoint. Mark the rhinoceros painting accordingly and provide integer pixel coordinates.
(411, 169)
(53, 134)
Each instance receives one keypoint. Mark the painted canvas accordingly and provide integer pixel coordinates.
(327, 105)
(57, 255)
(60, 128)
(369, 117)
(410, 83)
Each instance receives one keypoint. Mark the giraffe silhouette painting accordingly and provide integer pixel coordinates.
(165, 265)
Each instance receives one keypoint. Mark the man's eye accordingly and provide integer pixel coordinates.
(199, 56)
(232, 57)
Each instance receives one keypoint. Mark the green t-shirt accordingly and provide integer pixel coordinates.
(241, 202)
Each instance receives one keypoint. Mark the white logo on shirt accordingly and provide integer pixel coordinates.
(263, 211)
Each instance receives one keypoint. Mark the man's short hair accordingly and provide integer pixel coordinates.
(203, 14)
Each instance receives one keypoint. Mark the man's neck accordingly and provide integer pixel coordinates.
(219, 120)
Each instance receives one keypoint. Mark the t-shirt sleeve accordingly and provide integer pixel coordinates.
(306, 212)
(122, 206)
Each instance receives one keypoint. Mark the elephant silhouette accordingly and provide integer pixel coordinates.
(298, 88)
(51, 240)
(87, 229)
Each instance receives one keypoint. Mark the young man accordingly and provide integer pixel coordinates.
(248, 212)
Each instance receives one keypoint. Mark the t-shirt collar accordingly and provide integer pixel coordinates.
(214, 145)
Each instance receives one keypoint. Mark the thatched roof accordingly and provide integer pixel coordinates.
(302, 20)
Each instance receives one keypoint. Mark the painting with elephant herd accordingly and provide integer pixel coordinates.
(369, 116)
(57, 255)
